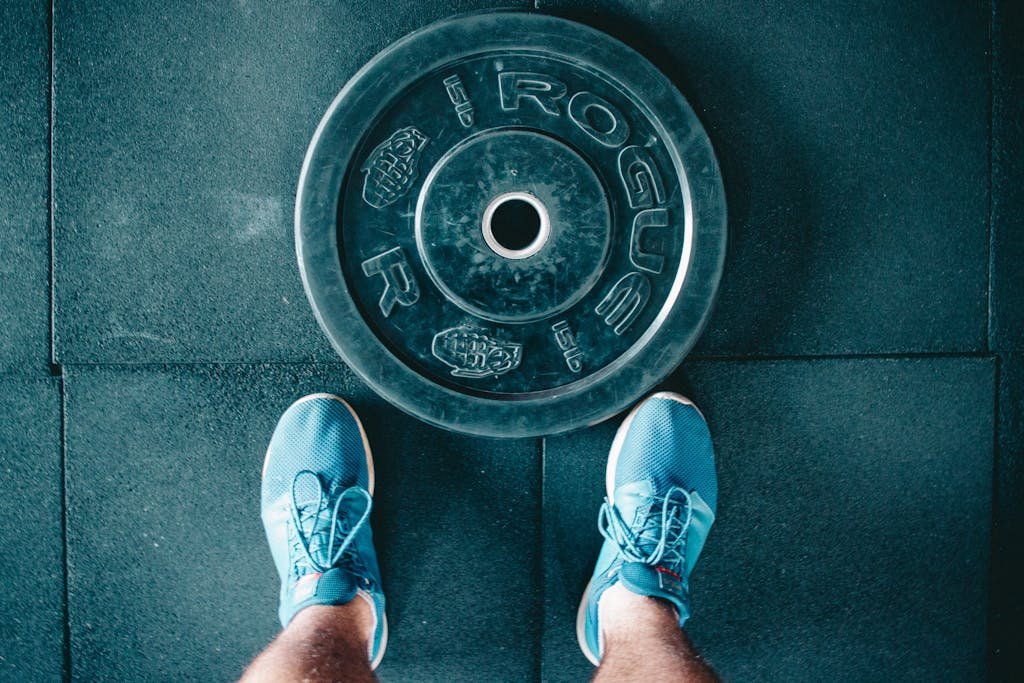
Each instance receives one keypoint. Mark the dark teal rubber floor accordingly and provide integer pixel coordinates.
(863, 374)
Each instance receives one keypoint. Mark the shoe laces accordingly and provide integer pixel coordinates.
(657, 538)
(339, 532)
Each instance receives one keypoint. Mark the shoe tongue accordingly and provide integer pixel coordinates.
(635, 501)
(317, 524)
(317, 535)
(656, 582)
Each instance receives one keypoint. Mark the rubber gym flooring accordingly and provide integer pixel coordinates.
(863, 374)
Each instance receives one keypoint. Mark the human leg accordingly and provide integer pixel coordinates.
(322, 643)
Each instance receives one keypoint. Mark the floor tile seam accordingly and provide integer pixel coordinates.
(41, 377)
(540, 566)
(992, 655)
(898, 355)
(50, 219)
(990, 342)
(66, 601)
(105, 365)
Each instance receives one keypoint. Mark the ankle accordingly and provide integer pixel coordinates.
(625, 615)
(351, 624)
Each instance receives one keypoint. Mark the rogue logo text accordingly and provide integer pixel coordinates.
(644, 188)
(392, 169)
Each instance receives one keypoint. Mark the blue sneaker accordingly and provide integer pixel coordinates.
(662, 493)
(317, 496)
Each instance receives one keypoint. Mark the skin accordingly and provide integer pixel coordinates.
(322, 643)
(642, 642)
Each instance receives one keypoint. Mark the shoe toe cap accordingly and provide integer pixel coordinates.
(319, 433)
(668, 443)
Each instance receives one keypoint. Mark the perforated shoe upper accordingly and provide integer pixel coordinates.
(317, 433)
(668, 443)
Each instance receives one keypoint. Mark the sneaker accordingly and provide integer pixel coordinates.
(662, 494)
(317, 496)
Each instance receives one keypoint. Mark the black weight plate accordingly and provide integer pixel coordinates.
(510, 224)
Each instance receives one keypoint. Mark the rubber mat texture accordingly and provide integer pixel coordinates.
(24, 186)
(31, 564)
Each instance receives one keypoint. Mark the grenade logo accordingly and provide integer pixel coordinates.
(471, 353)
(391, 167)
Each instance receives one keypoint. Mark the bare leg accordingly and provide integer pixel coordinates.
(643, 642)
(322, 643)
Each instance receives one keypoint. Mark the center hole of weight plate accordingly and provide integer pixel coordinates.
(516, 225)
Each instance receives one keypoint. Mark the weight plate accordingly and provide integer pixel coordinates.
(510, 224)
